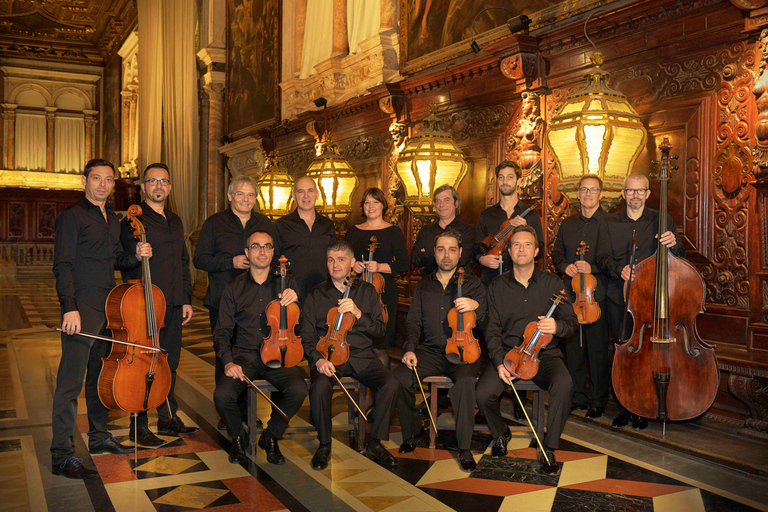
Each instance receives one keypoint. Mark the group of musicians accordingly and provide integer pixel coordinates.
(238, 249)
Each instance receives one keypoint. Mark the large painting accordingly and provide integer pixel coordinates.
(253, 65)
(435, 31)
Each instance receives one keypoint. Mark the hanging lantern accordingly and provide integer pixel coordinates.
(596, 132)
(430, 159)
(336, 180)
(275, 186)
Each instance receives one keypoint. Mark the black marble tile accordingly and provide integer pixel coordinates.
(412, 470)
(7, 414)
(226, 499)
(574, 500)
(716, 503)
(10, 445)
(464, 501)
(513, 469)
(197, 467)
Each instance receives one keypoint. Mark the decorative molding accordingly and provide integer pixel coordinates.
(244, 156)
(760, 91)
(40, 180)
(477, 122)
(524, 139)
(753, 392)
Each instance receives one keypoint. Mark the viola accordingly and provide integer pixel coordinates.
(132, 378)
(524, 358)
(462, 347)
(376, 279)
(665, 370)
(282, 348)
(333, 346)
(585, 307)
(495, 244)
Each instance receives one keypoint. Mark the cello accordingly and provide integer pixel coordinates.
(585, 307)
(132, 378)
(462, 347)
(376, 279)
(282, 348)
(665, 370)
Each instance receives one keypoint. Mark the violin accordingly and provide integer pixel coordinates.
(462, 347)
(134, 378)
(585, 307)
(665, 370)
(333, 346)
(495, 244)
(376, 279)
(282, 348)
(524, 358)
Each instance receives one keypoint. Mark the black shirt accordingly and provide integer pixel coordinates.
(243, 304)
(614, 245)
(430, 306)
(573, 230)
(170, 260)
(360, 337)
(305, 249)
(512, 306)
(489, 223)
(85, 255)
(391, 249)
(223, 237)
(423, 252)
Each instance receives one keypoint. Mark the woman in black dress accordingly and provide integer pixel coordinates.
(390, 258)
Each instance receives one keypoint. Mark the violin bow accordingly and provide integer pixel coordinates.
(107, 338)
(629, 285)
(543, 451)
(350, 397)
(426, 403)
(273, 404)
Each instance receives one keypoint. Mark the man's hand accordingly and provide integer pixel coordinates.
(409, 360)
(505, 375)
(143, 250)
(325, 367)
(71, 322)
(348, 306)
(288, 296)
(372, 266)
(235, 371)
(240, 262)
(359, 267)
(547, 325)
(464, 304)
(668, 239)
(490, 261)
(583, 267)
(518, 221)
(571, 270)
(186, 314)
(625, 273)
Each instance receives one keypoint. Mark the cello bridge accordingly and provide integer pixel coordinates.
(662, 340)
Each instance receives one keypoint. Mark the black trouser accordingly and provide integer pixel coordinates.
(462, 394)
(80, 358)
(170, 340)
(213, 316)
(374, 376)
(594, 347)
(615, 317)
(292, 388)
(553, 376)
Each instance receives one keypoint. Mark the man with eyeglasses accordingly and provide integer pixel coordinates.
(238, 337)
(614, 251)
(592, 345)
(170, 272)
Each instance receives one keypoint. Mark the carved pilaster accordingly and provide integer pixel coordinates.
(340, 40)
(760, 91)
(9, 135)
(301, 22)
(753, 392)
(90, 133)
(523, 143)
(50, 124)
(215, 166)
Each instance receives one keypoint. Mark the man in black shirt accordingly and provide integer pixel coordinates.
(435, 295)
(85, 257)
(243, 305)
(592, 342)
(363, 365)
(614, 250)
(447, 207)
(170, 272)
(509, 207)
(515, 299)
(304, 235)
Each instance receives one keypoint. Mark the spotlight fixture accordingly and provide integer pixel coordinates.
(475, 47)
(517, 24)
(321, 102)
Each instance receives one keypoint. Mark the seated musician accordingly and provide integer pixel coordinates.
(363, 365)
(243, 304)
(515, 299)
(433, 298)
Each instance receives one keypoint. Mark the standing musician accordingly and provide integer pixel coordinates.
(583, 227)
(303, 235)
(433, 298)
(363, 365)
(243, 304)
(508, 173)
(514, 300)
(170, 269)
(85, 257)
(447, 205)
(614, 251)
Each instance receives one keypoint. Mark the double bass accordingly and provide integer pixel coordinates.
(585, 307)
(282, 348)
(462, 347)
(665, 370)
(376, 279)
(133, 378)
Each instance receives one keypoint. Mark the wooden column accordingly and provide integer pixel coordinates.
(50, 118)
(9, 140)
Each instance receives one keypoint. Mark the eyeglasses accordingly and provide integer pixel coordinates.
(241, 195)
(261, 248)
(636, 191)
(593, 190)
(162, 181)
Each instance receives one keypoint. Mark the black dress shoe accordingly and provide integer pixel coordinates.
(221, 426)
(622, 420)
(174, 427)
(551, 467)
(146, 438)
(499, 446)
(112, 446)
(237, 451)
(639, 423)
(381, 455)
(578, 407)
(320, 459)
(73, 468)
(467, 461)
(410, 445)
(594, 412)
(270, 447)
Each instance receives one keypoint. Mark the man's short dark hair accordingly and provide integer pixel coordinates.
(340, 246)
(454, 194)
(97, 162)
(248, 242)
(157, 165)
(449, 233)
(511, 165)
(524, 229)
(591, 177)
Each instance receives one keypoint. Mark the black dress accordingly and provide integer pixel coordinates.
(391, 250)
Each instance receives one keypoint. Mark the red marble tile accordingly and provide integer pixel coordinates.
(629, 487)
(423, 454)
(114, 468)
(489, 487)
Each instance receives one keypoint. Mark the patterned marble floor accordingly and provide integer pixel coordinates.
(193, 473)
